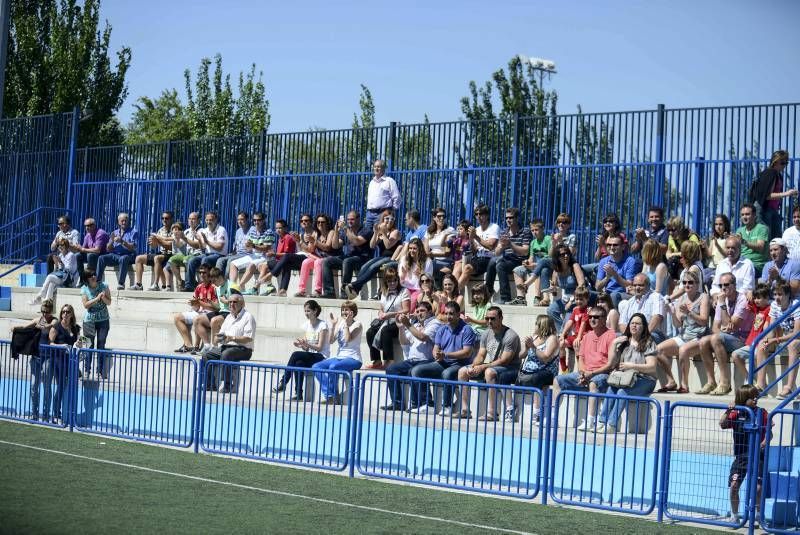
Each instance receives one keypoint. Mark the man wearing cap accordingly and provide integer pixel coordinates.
(781, 266)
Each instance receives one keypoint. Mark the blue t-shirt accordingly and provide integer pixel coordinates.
(626, 268)
(451, 340)
(789, 271)
(419, 232)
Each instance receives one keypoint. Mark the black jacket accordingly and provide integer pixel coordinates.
(25, 342)
(763, 186)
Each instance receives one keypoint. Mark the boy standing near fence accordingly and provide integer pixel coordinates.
(735, 419)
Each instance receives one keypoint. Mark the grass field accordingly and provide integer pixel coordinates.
(53, 481)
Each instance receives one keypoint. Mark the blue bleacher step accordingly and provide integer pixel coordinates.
(784, 485)
(5, 292)
(29, 280)
(40, 268)
(780, 513)
(5, 303)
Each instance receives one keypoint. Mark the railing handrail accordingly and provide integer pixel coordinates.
(32, 212)
(774, 324)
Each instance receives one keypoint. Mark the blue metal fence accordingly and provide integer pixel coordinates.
(779, 511)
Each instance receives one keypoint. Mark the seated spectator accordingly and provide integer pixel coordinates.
(732, 322)
(512, 248)
(539, 365)
(537, 269)
(767, 194)
(428, 294)
(416, 335)
(461, 251)
(415, 230)
(690, 261)
(285, 246)
(755, 237)
(615, 272)
(353, 240)
(64, 333)
(656, 231)
(213, 244)
(121, 250)
(574, 329)
(786, 332)
(161, 240)
(741, 268)
(780, 267)
(347, 332)
(679, 233)
(497, 362)
(42, 364)
(93, 245)
(612, 228)
(563, 236)
(480, 304)
(314, 346)
(760, 306)
(714, 246)
(654, 267)
(305, 242)
(317, 253)
(236, 336)
(259, 243)
(448, 293)
(612, 314)
(65, 232)
(566, 279)
(383, 332)
(593, 364)
(635, 350)
(65, 274)
(203, 302)
(452, 350)
(185, 246)
(646, 302)
(207, 325)
(792, 235)
(437, 242)
(690, 313)
(95, 296)
(412, 266)
(386, 239)
(382, 194)
(483, 239)
(239, 249)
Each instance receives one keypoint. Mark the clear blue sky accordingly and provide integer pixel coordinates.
(418, 57)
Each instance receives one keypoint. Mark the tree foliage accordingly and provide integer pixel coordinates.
(160, 119)
(58, 58)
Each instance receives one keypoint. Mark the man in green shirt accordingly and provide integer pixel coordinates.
(755, 237)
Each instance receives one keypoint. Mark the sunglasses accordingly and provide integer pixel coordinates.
(258, 219)
(687, 283)
(725, 284)
(423, 281)
(66, 312)
(439, 216)
(563, 254)
(306, 220)
(490, 318)
(595, 317)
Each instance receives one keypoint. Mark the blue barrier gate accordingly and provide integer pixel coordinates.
(137, 396)
(241, 416)
(447, 448)
(780, 493)
(697, 461)
(615, 470)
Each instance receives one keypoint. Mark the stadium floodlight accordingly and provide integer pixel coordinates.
(540, 65)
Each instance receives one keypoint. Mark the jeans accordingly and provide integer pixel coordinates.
(438, 264)
(395, 386)
(284, 268)
(438, 370)
(613, 407)
(544, 270)
(569, 381)
(502, 268)
(300, 359)
(329, 382)
(195, 262)
(557, 312)
(348, 265)
(101, 332)
(124, 261)
(368, 271)
(772, 219)
(36, 364)
(388, 335)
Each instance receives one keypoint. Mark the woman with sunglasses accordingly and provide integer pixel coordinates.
(386, 239)
(611, 227)
(65, 333)
(436, 242)
(321, 248)
(567, 277)
(383, 332)
(40, 364)
(426, 292)
(96, 297)
(690, 317)
(690, 258)
(767, 193)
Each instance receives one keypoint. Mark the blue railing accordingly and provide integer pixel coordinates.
(27, 238)
(754, 368)
(672, 461)
(780, 471)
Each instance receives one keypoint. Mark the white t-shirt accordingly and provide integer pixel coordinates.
(394, 302)
(491, 232)
(218, 235)
(351, 349)
(436, 242)
(792, 237)
(409, 278)
(316, 333)
(787, 324)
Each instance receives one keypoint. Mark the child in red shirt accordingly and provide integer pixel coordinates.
(759, 306)
(574, 329)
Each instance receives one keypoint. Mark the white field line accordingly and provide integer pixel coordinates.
(268, 491)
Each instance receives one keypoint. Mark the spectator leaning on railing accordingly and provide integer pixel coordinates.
(121, 250)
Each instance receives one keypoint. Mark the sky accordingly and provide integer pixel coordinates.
(417, 58)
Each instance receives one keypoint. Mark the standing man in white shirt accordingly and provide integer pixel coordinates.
(213, 241)
(382, 193)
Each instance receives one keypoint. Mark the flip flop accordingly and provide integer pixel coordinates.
(664, 389)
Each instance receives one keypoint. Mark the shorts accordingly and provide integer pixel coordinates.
(522, 271)
(189, 316)
(739, 466)
(742, 353)
(537, 379)
(244, 261)
(680, 342)
(151, 257)
(506, 375)
(731, 342)
(479, 264)
(180, 259)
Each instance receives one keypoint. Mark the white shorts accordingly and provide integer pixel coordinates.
(245, 261)
(189, 316)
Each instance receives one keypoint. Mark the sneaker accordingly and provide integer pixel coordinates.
(447, 411)
(733, 519)
(600, 428)
(278, 389)
(392, 407)
(269, 289)
(250, 291)
(122, 287)
(511, 416)
(136, 287)
(169, 288)
(586, 426)
(422, 409)
(154, 288)
(297, 397)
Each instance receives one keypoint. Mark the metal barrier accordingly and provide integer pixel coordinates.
(698, 456)
(611, 468)
(242, 416)
(456, 448)
(135, 395)
(35, 389)
(780, 476)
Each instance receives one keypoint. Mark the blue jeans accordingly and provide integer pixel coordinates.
(36, 364)
(124, 261)
(613, 407)
(502, 268)
(569, 381)
(194, 263)
(101, 331)
(438, 370)
(395, 386)
(329, 382)
(368, 271)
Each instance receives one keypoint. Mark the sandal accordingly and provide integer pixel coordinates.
(722, 390)
(488, 418)
(300, 294)
(682, 390)
(783, 394)
(465, 414)
(707, 389)
(667, 388)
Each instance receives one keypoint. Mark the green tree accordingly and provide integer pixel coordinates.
(58, 58)
(160, 119)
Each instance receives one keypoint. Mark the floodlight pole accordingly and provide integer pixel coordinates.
(5, 19)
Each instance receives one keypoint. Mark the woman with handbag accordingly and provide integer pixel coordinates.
(635, 375)
(540, 365)
(383, 330)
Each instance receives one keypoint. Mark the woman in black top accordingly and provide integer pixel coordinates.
(65, 333)
(767, 193)
(44, 322)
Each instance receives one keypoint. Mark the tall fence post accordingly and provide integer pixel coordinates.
(469, 198)
(200, 398)
(392, 146)
(662, 473)
(512, 199)
(287, 195)
(546, 419)
(73, 155)
(660, 174)
(355, 418)
(697, 194)
(262, 164)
